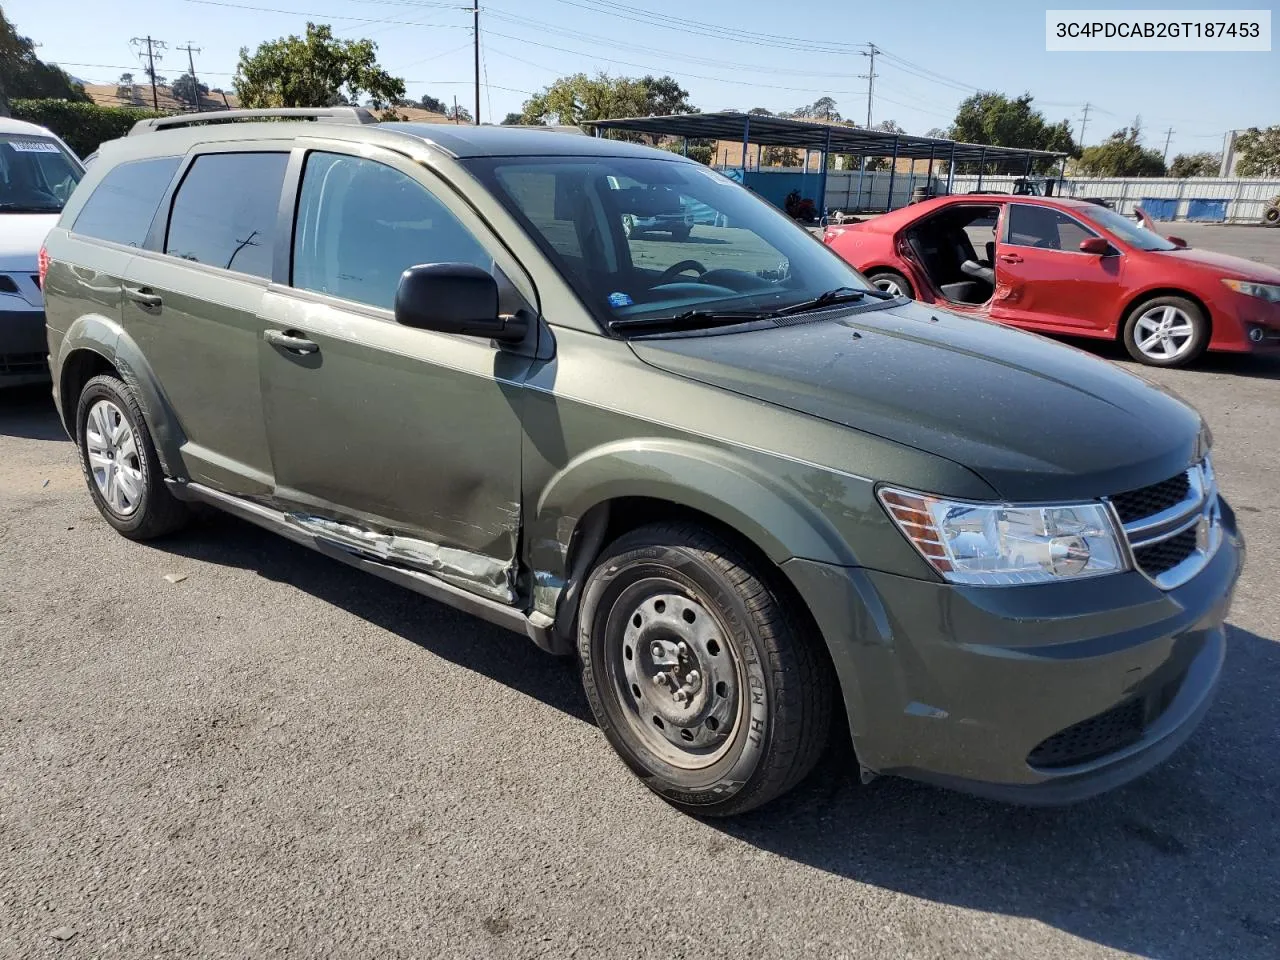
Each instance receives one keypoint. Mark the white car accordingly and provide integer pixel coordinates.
(37, 174)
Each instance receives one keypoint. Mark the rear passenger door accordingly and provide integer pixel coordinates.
(192, 302)
(399, 443)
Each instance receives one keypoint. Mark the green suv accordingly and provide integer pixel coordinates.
(760, 501)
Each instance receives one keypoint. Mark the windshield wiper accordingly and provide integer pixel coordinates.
(689, 320)
(12, 207)
(838, 295)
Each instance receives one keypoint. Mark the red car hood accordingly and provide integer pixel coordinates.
(1225, 264)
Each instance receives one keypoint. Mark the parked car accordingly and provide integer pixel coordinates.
(750, 500)
(1069, 267)
(37, 174)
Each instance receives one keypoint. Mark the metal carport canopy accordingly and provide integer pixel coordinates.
(806, 134)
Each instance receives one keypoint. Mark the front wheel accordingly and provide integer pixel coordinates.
(1272, 217)
(1166, 332)
(704, 679)
(890, 281)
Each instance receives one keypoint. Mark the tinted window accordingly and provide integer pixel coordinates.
(121, 207)
(361, 224)
(1044, 227)
(224, 213)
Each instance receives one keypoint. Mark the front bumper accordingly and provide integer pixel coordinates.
(1034, 694)
(24, 347)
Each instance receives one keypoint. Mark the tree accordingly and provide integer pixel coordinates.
(1196, 165)
(1122, 155)
(512, 118)
(937, 133)
(459, 114)
(24, 75)
(824, 108)
(992, 118)
(759, 112)
(189, 90)
(313, 71)
(431, 103)
(579, 99)
(780, 157)
(1259, 152)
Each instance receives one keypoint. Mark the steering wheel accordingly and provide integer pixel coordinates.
(676, 269)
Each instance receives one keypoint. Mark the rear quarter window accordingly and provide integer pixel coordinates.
(121, 207)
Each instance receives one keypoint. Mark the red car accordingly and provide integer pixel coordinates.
(1064, 266)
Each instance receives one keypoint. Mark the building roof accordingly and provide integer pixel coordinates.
(139, 95)
(817, 135)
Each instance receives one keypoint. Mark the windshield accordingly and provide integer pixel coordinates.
(642, 238)
(1129, 231)
(36, 174)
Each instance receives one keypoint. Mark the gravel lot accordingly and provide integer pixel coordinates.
(279, 756)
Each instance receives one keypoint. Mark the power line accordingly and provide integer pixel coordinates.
(152, 46)
(191, 68)
(870, 77)
(1084, 121)
(327, 16)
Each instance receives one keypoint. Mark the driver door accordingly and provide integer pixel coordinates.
(1044, 281)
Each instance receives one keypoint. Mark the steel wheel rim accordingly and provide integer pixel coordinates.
(677, 677)
(888, 286)
(1164, 333)
(114, 460)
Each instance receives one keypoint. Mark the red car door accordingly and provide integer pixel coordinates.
(1044, 280)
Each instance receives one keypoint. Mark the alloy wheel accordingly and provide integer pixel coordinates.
(1164, 333)
(114, 459)
(888, 286)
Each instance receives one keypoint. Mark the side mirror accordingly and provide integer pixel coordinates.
(455, 298)
(1177, 242)
(1095, 245)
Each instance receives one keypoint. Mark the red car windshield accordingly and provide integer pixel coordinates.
(1127, 230)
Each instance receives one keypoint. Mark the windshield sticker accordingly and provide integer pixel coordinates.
(620, 300)
(33, 146)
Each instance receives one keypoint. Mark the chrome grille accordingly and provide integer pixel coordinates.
(1173, 527)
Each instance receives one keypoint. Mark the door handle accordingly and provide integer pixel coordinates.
(1010, 258)
(291, 340)
(144, 296)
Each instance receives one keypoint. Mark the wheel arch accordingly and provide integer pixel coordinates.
(1153, 293)
(96, 344)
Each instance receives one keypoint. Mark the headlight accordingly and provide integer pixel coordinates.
(1263, 291)
(992, 544)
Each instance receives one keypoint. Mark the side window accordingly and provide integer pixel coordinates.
(224, 213)
(361, 224)
(1045, 228)
(121, 207)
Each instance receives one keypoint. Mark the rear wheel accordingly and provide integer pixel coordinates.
(702, 678)
(1166, 332)
(120, 463)
(1272, 217)
(890, 281)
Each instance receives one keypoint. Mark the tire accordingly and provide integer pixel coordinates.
(1176, 314)
(137, 504)
(1272, 217)
(891, 279)
(757, 715)
(629, 227)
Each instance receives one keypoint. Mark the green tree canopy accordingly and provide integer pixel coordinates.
(434, 104)
(189, 90)
(824, 108)
(1196, 165)
(1122, 155)
(512, 118)
(580, 99)
(313, 71)
(1259, 152)
(23, 74)
(994, 119)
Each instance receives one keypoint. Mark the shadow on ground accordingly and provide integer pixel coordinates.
(28, 412)
(1182, 863)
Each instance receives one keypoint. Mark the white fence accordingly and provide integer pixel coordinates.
(1197, 198)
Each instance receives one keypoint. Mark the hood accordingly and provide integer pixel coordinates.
(1224, 264)
(1035, 419)
(21, 236)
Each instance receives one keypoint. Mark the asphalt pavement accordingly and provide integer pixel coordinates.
(278, 756)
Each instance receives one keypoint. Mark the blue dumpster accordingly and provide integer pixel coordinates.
(1207, 211)
(1160, 208)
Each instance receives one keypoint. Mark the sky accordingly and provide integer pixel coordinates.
(729, 54)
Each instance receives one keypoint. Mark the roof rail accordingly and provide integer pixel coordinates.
(356, 115)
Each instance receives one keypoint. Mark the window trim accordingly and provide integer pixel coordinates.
(438, 186)
(1008, 230)
(158, 234)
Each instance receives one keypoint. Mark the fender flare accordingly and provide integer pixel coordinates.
(104, 336)
(711, 480)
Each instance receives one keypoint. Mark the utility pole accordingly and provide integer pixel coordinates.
(1168, 135)
(475, 13)
(870, 78)
(1084, 120)
(152, 47)
(455, 109)
(191, 65)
